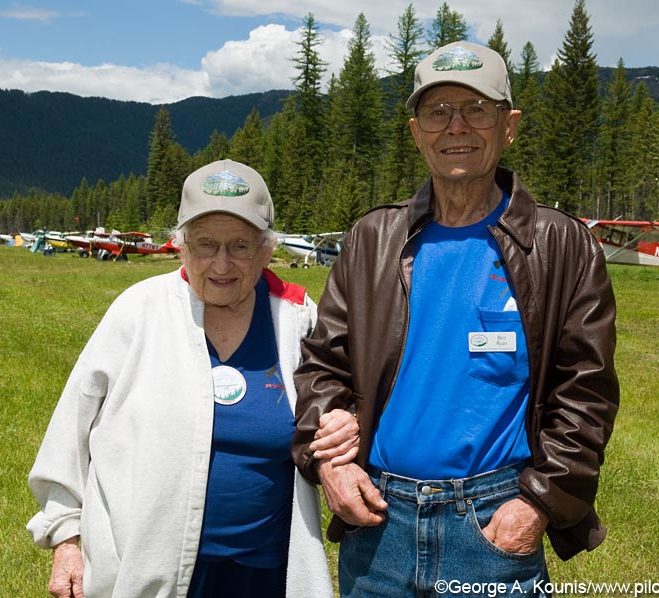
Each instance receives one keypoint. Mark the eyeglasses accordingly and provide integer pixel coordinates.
(237, 249)
(479, 114)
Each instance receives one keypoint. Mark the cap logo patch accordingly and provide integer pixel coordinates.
(457, 59)
(225, 184)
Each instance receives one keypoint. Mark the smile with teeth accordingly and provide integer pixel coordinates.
(458, 150)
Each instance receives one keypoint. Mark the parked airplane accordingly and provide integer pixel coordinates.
(117, 245)
(28, 239)
(134, 242)
(627, 241)
(57, 241)
(321, 248)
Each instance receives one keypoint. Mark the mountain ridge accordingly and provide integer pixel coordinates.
(50, 141)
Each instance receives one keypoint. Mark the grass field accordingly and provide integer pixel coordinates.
(50, 305)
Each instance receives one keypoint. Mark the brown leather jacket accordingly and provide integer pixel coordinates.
(566, 303)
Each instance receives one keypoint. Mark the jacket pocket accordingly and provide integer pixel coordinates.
(502, 368)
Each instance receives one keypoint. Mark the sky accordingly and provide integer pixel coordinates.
(163, 51)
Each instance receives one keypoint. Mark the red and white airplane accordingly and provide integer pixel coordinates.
(627, 241)
(117, 245)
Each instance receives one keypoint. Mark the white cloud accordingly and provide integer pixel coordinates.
(156, 84)
(260, 63)
(263, 61)
(25, 13)
(334, 49)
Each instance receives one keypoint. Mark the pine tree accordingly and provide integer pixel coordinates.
(333, 168)
(644, 159)
(557, 145)
(348, 206)
(569, 117)
(99, 201)
(310, 68)
(579, 72)
(299, 189)
(528, 69)
(447, 26)
(309, 104)
(273, 163)
(613, 151)
(360, 109)
(524, 154)
(130, 208)
(176, 167)
(80, 204)
(247, 142)
(217, 149)
(500, 45)
(403, 166)
(161, 139)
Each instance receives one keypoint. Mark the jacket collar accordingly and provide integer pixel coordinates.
(421, 208)
(518, 219)
(520, 216)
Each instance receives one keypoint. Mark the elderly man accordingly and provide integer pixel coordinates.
(472, 330)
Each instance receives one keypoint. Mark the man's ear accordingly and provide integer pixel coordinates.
(511, 125)
(416, 131)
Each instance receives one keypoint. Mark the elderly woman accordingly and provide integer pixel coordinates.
(166, 468)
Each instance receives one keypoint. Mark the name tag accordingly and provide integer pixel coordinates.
(482, 342)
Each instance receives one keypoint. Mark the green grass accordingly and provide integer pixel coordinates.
(49, 307)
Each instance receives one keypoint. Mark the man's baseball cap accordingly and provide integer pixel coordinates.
(228, 187)
(463, 63)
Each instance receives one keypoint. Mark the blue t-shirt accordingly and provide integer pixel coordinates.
(250, 482)
(455, 412)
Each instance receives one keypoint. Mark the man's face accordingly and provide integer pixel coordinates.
(461, 152)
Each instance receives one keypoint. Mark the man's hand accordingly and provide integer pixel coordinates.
(516, 527)
(66, 576)
(351, 495)
(337, 438)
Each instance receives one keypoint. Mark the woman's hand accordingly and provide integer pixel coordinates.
(337, 438)
(66, 576)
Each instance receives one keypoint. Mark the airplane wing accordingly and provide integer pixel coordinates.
(337, 236)
(323, 248)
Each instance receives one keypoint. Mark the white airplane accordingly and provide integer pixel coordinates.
(321, 248)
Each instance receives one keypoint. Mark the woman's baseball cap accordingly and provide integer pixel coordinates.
(228, 187)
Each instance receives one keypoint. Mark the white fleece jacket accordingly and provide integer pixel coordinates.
(124, 462)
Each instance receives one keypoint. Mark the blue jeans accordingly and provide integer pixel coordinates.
(431, 543)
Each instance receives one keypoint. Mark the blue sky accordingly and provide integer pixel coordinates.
(166, 50)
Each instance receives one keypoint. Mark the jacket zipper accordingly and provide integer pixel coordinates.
(401, 348)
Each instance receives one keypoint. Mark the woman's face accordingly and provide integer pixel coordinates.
(221, 279)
